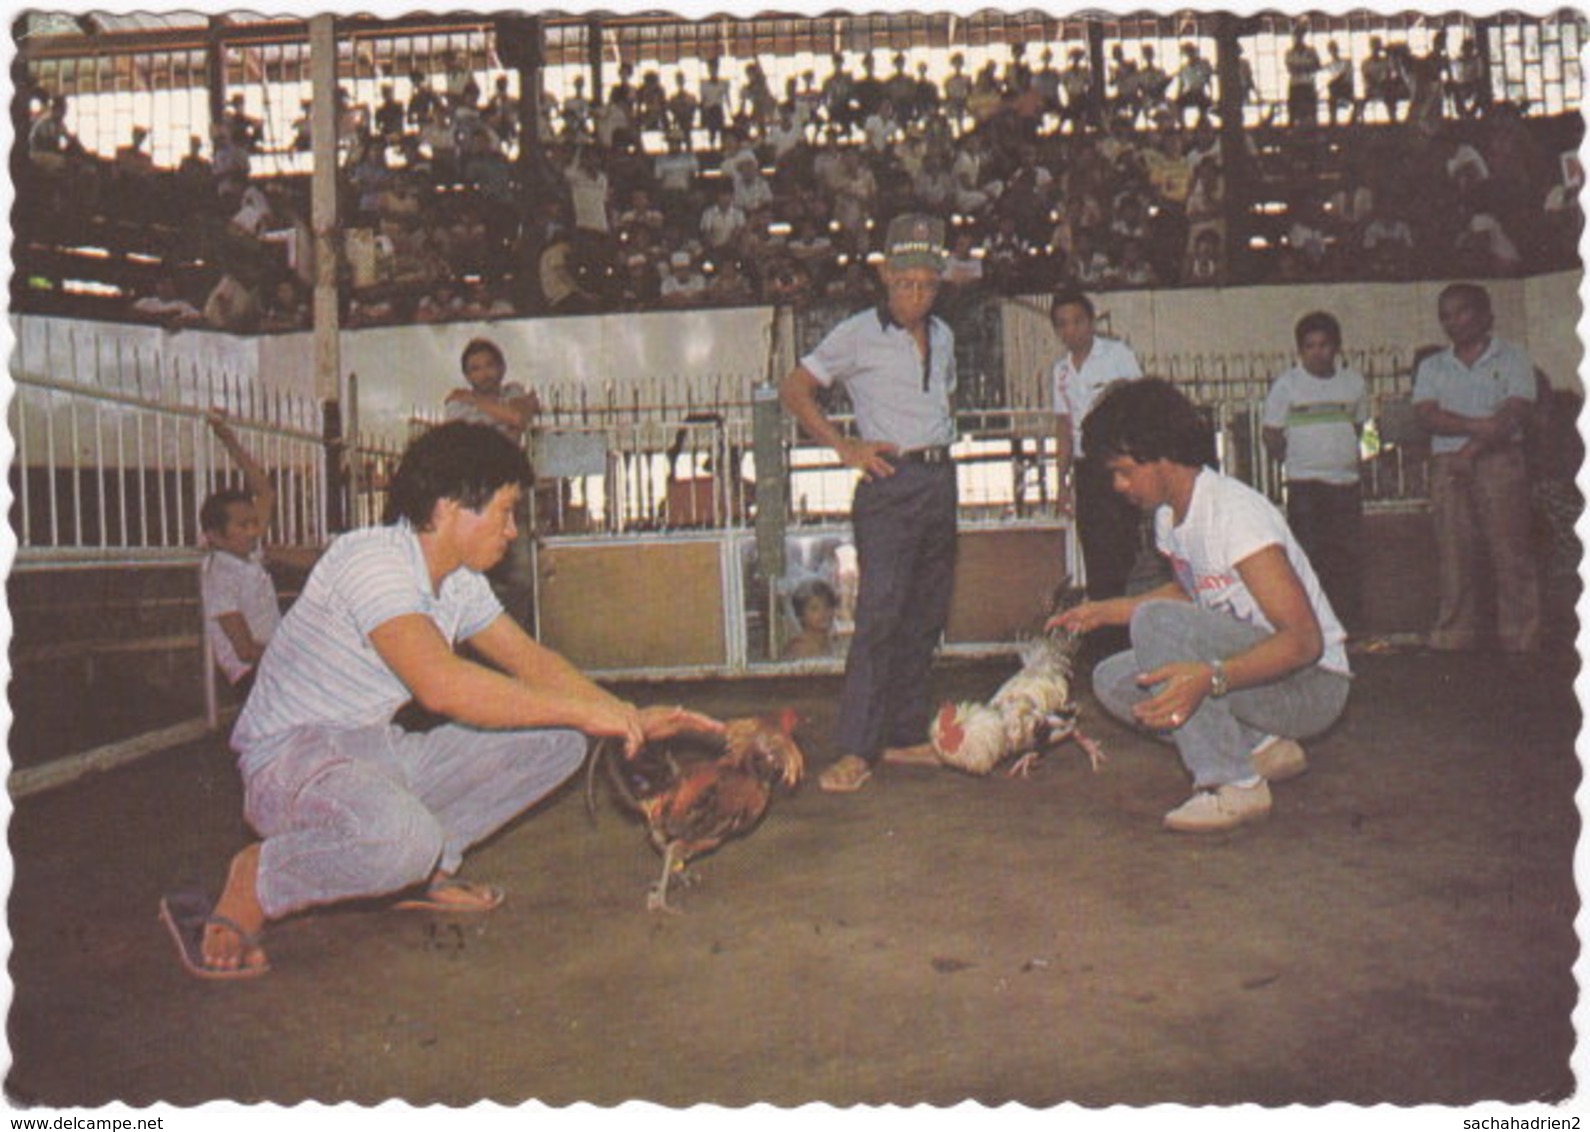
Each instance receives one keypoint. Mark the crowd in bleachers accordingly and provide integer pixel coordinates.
(657, 195)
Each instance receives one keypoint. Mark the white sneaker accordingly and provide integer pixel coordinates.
(1277, 760)
(1211, 811)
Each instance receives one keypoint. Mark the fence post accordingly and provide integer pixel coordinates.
(338, 506)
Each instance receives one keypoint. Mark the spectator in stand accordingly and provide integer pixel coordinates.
(651, 103)
(1468, 80)
(247, 130)
(1125, 82)
(751, 190)
(1302, 75)
(957, 90)
(729, 285)
(784, 134)
(1425, 76)
(588, 188)
(1076, 82)
(1192, 84)
(1152, 83)
(722, 221)
(390, 115)
(1387, 241)
(166, 306)
(715, 109)
(576, 111)
(684, 285)
(1382, 79)
(757, 102)
(437, 138)
(964, 268)
(1338, 84)
(422, 100)
(675, 172)
(1205, 266)
(682, 106)
(233, 305)
(132, 158)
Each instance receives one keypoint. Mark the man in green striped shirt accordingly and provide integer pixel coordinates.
(1312, 420)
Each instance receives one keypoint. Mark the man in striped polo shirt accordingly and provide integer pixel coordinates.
(347, 803)
(1313, 416)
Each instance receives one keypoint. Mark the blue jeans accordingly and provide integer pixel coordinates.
(1217, 743)
(373, 810)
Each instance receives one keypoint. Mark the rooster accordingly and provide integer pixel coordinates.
(1031, 712)
(695, 796)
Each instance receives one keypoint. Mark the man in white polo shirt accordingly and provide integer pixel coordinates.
(348, 804)
(1109, 529)
(1473, 398)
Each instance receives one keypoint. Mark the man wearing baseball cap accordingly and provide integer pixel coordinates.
(897, 363)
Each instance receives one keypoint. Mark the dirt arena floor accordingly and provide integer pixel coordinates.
(1401, 930)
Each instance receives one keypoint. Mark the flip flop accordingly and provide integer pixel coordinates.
(486, 898)
(846, 776)
(186, 916)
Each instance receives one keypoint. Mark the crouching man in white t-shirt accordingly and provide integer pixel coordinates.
(1240, 655)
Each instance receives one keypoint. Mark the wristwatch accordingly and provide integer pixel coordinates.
(1218, 685)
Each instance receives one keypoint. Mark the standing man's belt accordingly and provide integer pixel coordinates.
(938, 455)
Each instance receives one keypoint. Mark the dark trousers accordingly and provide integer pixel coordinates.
(1327, 520)
(905, 547)
(1109, 528)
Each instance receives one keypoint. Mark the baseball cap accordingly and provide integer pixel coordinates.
(915, 240)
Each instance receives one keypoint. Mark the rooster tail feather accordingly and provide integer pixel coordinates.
(602, 753)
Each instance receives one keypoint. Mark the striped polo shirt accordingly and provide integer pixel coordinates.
(1321, 416)
(321, 671)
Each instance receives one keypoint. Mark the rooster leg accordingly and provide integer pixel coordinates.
(1022, 767)
(673, 862)
(1091, 746)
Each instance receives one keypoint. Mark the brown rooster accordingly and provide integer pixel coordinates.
(696, 792)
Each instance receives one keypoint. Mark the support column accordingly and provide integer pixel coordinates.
(1238, 170)
(324, 221)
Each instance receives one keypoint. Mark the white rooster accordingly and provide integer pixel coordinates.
(1030, 713)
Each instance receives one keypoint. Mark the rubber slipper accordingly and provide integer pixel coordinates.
(486, 897)
(846, 776)
(186, 916)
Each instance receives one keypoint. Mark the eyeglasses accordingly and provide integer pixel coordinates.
(915, 286)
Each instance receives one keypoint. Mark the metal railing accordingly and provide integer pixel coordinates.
(114, 458)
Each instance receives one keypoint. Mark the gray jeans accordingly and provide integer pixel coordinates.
(1217, 743)
(346, 814)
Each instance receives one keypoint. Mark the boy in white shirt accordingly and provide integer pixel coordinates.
(1313, 416)
(241, 612)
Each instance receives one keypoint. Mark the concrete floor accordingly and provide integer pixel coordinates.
(1401, 930)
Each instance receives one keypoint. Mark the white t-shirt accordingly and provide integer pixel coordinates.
(1320, 415)
(237, 585)
(1075, 389)
(1228, 522)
